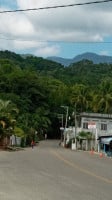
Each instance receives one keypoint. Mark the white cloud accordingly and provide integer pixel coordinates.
(47, 51)
(27, 44)
(104, 53)
(62, 22)
(79, 23)
(16, 25)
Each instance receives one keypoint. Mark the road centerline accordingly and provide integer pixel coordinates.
(78, 167)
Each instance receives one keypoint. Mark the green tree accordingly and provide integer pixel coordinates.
(8, 113)
(102, 99)
(80, 97)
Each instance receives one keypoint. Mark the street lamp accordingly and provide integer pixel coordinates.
(66, 122)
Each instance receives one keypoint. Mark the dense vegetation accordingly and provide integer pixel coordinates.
(36, 88)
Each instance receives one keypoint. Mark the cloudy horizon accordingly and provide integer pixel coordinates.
(56, 32)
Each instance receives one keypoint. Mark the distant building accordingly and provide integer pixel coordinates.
(101, 122)
(100, 125)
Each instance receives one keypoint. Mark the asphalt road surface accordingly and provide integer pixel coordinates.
(50, 172)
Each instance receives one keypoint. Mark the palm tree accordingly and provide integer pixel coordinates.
(79, 97)
(102, 101)
(7, 117)
(7, 108)
(88, 136)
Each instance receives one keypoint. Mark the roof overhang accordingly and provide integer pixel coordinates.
(106, 140)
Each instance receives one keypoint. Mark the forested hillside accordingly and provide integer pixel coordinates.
(38, 88)
(95, 58)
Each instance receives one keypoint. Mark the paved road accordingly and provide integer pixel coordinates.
(49, 172)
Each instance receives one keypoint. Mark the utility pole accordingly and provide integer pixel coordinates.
(74, 143)
(62, 128)
(75, 129)
(60, 116)
(66, 123)
(62, 120)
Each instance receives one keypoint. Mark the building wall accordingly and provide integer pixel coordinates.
(14, 140)
(103, 125)
(4, 142)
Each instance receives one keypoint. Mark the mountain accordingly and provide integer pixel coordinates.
(82, 72)
(95, 58)
(63, 61)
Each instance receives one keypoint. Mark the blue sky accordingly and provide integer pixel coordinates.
(64, 32)
(8, 3)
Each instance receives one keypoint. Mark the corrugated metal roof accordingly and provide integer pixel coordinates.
(96, 115)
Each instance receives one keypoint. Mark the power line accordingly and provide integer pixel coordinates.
(51, 41)
(54, 7)
(58, 41)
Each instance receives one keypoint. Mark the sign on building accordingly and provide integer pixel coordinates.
(91, 125)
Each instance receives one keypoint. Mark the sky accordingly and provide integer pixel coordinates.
(63, 32)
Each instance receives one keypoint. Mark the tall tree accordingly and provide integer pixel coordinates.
(7, 116)
(102, 99)
(79, 97)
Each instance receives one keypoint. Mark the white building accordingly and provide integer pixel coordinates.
(100, 125)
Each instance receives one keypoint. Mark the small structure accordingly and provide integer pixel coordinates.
(4, 142)
(106, 144)
(15, 141)
(99, 125)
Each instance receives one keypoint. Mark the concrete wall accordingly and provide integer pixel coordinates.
(14, 140)
(98, 126)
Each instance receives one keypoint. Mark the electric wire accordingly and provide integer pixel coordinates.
(54, 7)
(54, 41)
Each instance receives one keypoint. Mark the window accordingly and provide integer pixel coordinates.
(85, 125)
(103, 127)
